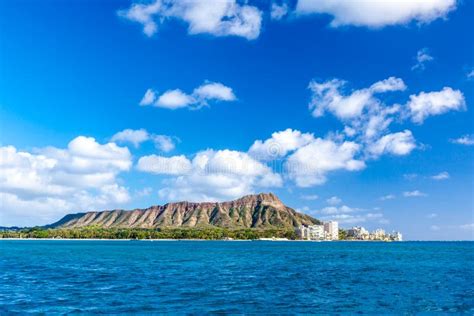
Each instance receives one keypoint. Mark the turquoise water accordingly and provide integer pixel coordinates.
(235, 277)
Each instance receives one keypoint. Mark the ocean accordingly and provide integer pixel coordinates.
(265, 277)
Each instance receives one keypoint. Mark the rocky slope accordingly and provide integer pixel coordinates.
(251, 211)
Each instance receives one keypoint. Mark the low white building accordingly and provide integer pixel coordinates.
(303, 232)
(378, 234)
(358, 232)
(396, 236)
(316, 232)
(327, 231)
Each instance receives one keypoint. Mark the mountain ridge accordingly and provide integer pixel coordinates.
(261, 211)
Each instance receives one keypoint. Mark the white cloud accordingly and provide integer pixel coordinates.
(351, 219)
(467, 140)
(467, 226)
(387, 197)
(143, 14)
(432, 215)
(347, 215)
(219, 18)
(176, 99)
(387, 85)
(435, 103)
(176, 165)
(334, 210)
(367, 118)
(376, 14)
(401, 143)
(135, 137)
(470, 74)
(422, 57)
(277, 12)
(213, 91)
(40, 187)
(414, 193)
(329, 96)
(210, 175)
(441, 176)
(163, 142)
(144, 192)
(334, 200)
(435, 227)
(309, 197)
(280, 144)
(303, 209)
(309, 164)
(148, 98)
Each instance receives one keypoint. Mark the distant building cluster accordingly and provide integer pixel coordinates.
(330, 231)
(360, 233)
(326, 231)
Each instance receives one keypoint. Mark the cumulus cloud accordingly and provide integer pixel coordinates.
(422, 58)
(376, 14)
(334, 210)
(176, 99)
(467, 140)
(136, 137)
(40, 187)
(225, 174)
(441, 176)
(277, 12)
(427, 104)
(310, 164)
(387, 197)
(367, 118)
(218, 18)
(309, 197)
(414, 193)
(334, 200)
(364, 114)
(329, 96)
(351, 219)
(213, 91)
(176, 165)
(400, 144)
(149, 98)
(163, 142)
(210, 175)
(280, 144)
(307, 160)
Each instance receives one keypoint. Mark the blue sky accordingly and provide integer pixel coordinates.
(224, 78)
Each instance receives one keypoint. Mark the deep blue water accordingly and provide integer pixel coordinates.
(235, 277)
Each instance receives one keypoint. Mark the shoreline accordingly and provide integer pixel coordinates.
(169, 239)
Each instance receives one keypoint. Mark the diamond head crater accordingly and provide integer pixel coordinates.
(260, 216)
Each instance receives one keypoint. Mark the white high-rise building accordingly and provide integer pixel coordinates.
(331, 230)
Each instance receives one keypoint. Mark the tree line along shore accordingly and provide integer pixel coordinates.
(214, 233)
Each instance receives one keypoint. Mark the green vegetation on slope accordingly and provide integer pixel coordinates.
(94, 232)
